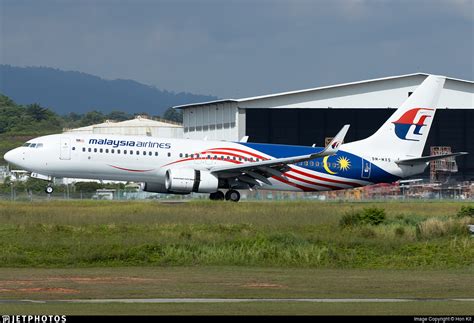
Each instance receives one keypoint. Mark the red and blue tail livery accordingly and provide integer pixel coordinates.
(409, 126)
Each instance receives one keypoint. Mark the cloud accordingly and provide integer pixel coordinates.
(240, 48)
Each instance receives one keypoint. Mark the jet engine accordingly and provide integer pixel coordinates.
(187, 180)
(155, 187)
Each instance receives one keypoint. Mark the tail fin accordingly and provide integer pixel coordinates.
(406, 131)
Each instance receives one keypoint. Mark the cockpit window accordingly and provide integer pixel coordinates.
(32, 145)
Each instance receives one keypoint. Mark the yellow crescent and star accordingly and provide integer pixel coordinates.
(342, 162)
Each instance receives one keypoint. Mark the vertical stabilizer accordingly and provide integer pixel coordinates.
(404, 134)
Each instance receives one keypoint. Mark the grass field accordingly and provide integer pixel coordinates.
(97, 249)
(292, 234)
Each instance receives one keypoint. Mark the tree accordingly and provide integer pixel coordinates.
(92, 117)
(118, 116)
(36, 112)
(173, 115)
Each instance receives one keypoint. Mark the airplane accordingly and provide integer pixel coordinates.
(183, 166)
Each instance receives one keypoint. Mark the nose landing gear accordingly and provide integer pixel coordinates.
(49, 189)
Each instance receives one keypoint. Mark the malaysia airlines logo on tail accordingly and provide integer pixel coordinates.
(409, 126)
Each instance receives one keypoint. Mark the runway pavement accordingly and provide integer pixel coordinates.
(237, 300)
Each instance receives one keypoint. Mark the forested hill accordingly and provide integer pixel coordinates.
(77, 92)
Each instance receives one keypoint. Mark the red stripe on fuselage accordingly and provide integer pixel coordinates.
(313, 183)
(132, 170)
(241, 151)
(324, 178)
(203, 158)
(304, 188)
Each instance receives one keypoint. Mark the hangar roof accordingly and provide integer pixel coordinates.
(315, 96)
(137, 122)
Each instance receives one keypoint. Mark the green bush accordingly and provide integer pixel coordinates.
(350, 219)
(466, 211)
(373, 216)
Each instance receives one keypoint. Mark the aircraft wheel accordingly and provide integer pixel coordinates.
(49, 189)
(216, 196)
(232, 195)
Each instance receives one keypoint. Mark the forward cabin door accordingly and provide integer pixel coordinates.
(65, 149)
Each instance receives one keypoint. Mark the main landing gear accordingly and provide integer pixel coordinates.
(231, 195)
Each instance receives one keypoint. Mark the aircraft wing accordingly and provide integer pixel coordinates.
(275, 167)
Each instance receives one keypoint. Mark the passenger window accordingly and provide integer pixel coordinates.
(95, 150)
(156, 153)
(73, 148)
(124, 152)
(138, 153)
(118, 151)
(144, 153)
(181, 155)
(89, 150)
(186, 155)
(150, 153)
(106, 151)
(306, 163)
(112, 151)
(83, 149)
(169, 154)
(131, 152)
(101, 150)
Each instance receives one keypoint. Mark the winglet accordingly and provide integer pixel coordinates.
(244, 139)
(333, 146)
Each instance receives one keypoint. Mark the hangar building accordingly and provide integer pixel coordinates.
(310, 116)
(140, 126)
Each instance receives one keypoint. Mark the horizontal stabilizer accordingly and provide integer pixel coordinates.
(426, 159)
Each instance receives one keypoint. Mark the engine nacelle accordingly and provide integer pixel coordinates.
(187, 180)
(155, 188)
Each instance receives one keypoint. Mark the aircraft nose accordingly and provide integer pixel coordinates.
(11, 156)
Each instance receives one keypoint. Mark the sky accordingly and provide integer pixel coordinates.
(234, 49)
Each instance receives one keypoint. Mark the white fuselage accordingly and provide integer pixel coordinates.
(146, 159)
